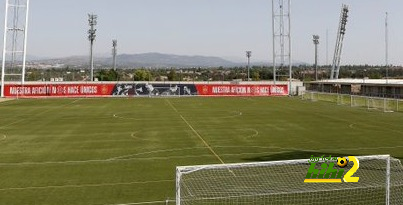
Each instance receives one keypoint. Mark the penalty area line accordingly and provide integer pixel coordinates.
(84, 185)
(195, 132)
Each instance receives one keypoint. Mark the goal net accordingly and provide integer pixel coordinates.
(312, 96)
(282, 182)
(318, 96)
(343, 99)
(358, 101)
(383, 104)
(375, 103)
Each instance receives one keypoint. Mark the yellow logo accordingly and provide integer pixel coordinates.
(329, 174)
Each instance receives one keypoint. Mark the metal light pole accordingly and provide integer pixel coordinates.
(316, 42)
(114, 53)
(14, 42)
(282, 44)
(92, 21)
(248, 55)
(334, 74)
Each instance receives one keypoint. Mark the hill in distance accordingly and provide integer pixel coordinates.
(157, 60)
(154, 60)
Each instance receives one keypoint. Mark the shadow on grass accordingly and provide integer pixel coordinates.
(299, 155)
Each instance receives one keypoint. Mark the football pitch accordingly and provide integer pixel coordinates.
(125, 150)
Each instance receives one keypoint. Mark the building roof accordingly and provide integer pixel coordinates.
(363, 81)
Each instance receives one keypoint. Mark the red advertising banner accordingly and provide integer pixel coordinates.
(67, 90)
(242, 90)
(140, 89)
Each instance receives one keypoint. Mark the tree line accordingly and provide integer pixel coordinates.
(257, 73)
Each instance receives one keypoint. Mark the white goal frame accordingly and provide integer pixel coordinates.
(382, 104)
(184, 170)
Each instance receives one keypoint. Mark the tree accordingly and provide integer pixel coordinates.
(107, 75)
(142, 75)
(172, 76)
(256, 75)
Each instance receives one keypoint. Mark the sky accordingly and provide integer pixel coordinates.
(222, 28)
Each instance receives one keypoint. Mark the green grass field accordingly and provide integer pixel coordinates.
(121, 151)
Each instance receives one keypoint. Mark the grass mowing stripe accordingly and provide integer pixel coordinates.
(4, 137)
(45, 111)
(197, 134)
(147, 202)
(53, 149)
(4, 100)
(120, 158)
(85, 185)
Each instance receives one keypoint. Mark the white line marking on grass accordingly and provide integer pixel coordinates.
(4, 137)
(197, 134)
(248, 99)
(134, 136)
(116, 159)
(148, 202)
(253, 135)
(75, 100)
(110, 161)
(18, 121)
(84, 185)
(312, 150)
(140, 119)
(15, 122)
(353, 125)
(133, 157)
(4, 100)
(155, 151)
(232, 114)
(370, 148)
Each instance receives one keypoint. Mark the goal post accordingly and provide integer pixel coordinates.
(371, 103)
(310, 95)
(282, 182)
(343, 99)
(359, 101)
(384, 104)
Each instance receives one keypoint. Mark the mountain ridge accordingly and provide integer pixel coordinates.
(153, 60)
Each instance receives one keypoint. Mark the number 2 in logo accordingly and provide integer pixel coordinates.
(348, 176)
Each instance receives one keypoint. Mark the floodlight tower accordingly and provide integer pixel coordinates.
(339, 43)
(248, 55)
(114, 52)
(281, 26)
(316, 42)
(15, 42)
(92, 21)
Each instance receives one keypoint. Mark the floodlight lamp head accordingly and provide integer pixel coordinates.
(248, 54)
(92, 19)
(316, 39)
